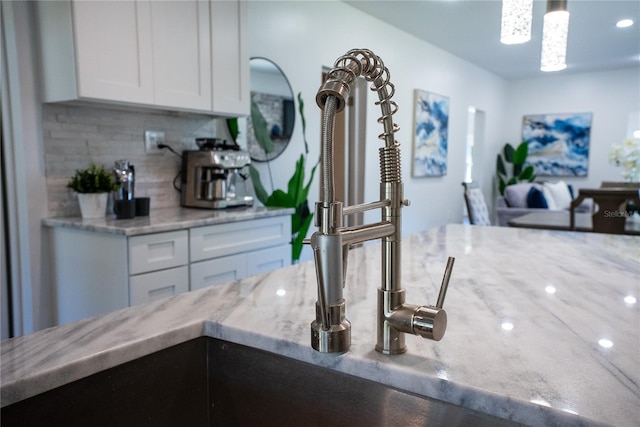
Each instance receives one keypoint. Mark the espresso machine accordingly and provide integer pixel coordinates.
(215, 176)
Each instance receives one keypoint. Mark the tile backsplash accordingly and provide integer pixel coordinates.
(75, 136)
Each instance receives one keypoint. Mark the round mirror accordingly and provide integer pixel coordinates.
(271, 94)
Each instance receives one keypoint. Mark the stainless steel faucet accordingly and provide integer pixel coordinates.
(331, 331)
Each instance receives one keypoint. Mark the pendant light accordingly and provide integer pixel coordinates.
(516, 21)
(554, 36)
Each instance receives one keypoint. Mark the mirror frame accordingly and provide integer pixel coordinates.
(281, 145)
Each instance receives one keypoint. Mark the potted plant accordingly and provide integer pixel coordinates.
(93, 186)
(295, 196)
(518, 172)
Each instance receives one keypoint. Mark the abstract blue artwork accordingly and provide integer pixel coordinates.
(431, 125)
(558, 143)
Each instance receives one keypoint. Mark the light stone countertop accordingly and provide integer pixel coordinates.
(167, 219)
(528, 311)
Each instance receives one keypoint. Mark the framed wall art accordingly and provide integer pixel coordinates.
(431, 134)
(558, 143)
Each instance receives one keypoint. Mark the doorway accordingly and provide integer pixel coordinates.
(475, 143)
(474, 148)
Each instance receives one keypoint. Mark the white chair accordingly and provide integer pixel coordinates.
(476, 206)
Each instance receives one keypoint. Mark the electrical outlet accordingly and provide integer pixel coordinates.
(151, 141)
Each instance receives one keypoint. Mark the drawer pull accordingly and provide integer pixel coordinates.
(156, 294)
(161, 251)
(221, 278)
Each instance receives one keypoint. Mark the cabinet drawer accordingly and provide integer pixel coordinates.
(157, 285)
(268, 259)
(232, 238)
(158, 251)
(217, 271)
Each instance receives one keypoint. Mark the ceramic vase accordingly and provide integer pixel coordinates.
(93, 205)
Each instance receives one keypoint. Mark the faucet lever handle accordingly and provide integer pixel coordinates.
(431, 322)
(445, 282)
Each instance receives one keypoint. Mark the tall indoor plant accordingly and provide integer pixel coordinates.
(297, 190)
(510, 166)
(93, 186)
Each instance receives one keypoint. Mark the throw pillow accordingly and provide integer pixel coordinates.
(536, 200)
(516, 194)
(560, 193)
(549, 198)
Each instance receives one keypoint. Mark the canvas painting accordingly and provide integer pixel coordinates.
(558, 143)
(431, 130)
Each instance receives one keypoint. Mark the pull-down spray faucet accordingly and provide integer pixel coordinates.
(331, 331)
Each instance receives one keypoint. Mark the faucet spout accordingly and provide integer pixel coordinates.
(331, 331)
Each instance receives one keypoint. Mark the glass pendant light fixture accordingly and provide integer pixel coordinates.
(516, 21)
(554, 36)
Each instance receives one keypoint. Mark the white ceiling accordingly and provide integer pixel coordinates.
(470, 29)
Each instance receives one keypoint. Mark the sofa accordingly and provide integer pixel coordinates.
(524, 198)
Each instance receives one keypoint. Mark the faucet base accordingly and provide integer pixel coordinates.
(335, 339)
(390, 334)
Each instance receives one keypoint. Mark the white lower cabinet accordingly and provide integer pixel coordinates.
(233, 267)
(159, 251)
(217, 271)
(94, 273)
(157, 285)
(268, 259)
(225, 252)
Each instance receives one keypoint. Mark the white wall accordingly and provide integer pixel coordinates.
(26, 192)
(610, 96)
(312, 35)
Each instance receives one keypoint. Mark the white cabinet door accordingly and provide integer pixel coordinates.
(241, 236)
(113, 50)
(230, 57)
(151, 252)
(88, 273)
(268, 259)
(149, 287)
(181, 54)
(216, 271)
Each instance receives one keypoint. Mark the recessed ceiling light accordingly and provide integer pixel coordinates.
(624, 23)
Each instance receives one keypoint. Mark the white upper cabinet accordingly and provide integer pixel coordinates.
(181, 52)
(113, 50)
(230, 57)
(179, 55)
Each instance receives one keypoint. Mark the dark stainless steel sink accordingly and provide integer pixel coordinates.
(208, 382)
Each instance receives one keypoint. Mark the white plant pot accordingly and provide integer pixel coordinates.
(93, 205)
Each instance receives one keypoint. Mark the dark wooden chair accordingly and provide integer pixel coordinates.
(622, 184)
(610, 207)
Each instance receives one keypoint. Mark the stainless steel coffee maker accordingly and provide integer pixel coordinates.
(216, 176)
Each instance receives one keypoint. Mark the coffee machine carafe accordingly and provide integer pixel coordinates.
(215, 176)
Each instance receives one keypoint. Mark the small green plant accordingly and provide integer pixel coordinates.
(518, 172)
(94, 179)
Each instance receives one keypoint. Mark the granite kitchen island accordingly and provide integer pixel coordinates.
(543, 326)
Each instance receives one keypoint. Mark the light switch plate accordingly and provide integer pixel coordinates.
(152, 139)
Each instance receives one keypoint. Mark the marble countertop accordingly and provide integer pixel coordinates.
(166, 219)
(542, 329)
